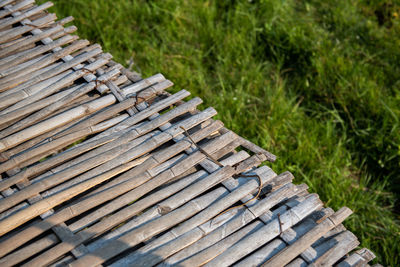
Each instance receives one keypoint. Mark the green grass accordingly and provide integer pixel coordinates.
(315, 82)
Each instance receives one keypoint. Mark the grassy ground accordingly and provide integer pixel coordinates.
(315, 82)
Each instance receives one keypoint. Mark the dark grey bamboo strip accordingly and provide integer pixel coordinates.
(91, 144)
(25, 55)
(33, 11)
(86, 204)
(95, 161)
(32, 119)
(15, 32)
(289, 253)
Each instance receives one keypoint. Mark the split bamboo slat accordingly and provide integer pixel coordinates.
(100, 166)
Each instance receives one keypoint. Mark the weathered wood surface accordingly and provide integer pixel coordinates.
(97, 168)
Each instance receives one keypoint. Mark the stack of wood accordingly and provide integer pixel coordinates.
(99, 166)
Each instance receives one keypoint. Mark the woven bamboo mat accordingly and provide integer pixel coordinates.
(100, 166)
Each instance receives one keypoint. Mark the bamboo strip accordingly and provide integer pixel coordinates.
(152, 228)
(6, 2)
(9, 21)
(86, 204)
(213, 236)
(95, 161)
(10, 9)
(164, 193)
(289, 253)
(13, 79)
(32, 119)
(21, 57)
(357, 258)
(5, 53)
(91, 144)
(335, 248)
(180, 198)
(34, 94)
(267, 232)
(14, 32)
(42, 206)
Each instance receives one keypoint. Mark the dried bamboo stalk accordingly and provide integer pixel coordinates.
(10, 9)
(289, 253)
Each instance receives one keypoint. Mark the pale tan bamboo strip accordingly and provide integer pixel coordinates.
(25, 55)
(152, 228)
(289, 253)
(14, 32)
(14, 69)
(164, 193)
(31, 40)
(263, 254)
(332, 250)
(9, 78)
(357, 258)
(42, 206)
(86, 204)
(267, 232)
(10, 9)
(34, 118)
(54, 122)
(30, 250)
(213, 236)
(133, 76)
(9, 21)
(89, 145)
(95, 161)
